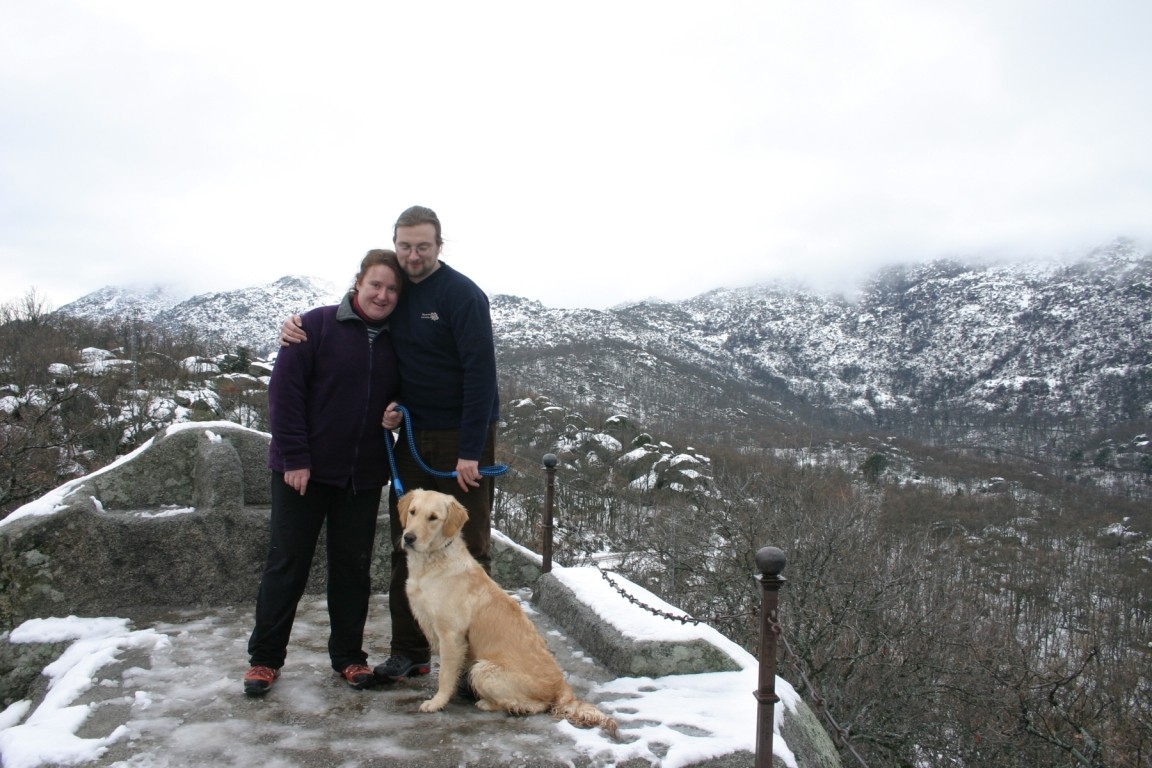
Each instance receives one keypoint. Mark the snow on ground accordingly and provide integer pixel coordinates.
(169, 696)
(48, 734)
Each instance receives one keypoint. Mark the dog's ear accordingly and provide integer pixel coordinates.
(456, 518)
(402, 508)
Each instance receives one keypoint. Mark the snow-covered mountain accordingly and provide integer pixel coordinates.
(960, 350)
(122, 303)
(954, 344)
(247, 317)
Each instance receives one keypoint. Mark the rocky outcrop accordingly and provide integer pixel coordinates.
(183, 521)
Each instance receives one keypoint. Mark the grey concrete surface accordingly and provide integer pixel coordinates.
(183, 706)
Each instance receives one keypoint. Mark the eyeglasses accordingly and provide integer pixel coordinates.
(421, 248)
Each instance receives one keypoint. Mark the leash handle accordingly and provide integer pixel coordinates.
(493, 471)
(396, 484)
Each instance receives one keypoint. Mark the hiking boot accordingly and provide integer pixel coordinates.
(358, 676)
(397, 668)
(258, 680)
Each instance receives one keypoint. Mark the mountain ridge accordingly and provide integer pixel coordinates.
(960, 345)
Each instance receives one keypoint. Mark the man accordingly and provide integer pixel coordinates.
(442, 331)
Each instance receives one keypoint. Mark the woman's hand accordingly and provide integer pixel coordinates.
(298, 479)
(392, 417)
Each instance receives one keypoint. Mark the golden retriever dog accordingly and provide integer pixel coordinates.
(476, 626)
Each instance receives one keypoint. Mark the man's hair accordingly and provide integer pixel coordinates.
(415, 216)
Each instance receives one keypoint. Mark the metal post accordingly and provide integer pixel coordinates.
(770, 561)
(550, 462)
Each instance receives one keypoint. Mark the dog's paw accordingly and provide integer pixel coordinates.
(434, 704)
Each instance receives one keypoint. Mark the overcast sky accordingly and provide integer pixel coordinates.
(583, 154)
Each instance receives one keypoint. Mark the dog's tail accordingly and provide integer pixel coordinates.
(582, 714)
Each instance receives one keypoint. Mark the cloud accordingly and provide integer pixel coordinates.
(582, 155)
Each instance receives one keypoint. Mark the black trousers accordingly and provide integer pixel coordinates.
(440, 449)
(294, 530)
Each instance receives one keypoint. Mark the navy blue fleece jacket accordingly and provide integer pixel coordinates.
(442, 328)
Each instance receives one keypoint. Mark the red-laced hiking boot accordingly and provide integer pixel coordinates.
(258, 680)
(358, 676)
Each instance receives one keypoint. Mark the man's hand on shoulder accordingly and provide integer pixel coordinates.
(291, 332)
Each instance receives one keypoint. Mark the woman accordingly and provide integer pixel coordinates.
(329, 464)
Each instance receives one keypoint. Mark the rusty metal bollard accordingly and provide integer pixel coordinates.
(550, 462)
(770, 561)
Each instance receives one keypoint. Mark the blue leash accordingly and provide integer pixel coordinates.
(494, 471)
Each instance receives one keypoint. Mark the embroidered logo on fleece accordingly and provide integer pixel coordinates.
(430, 316)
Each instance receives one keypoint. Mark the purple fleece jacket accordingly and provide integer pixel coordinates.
(327, 397)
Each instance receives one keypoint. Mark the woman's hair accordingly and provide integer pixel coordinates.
(415, 216)
(379, 257)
